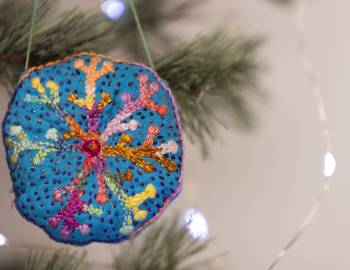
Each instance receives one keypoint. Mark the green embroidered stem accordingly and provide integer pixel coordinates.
(142, 35)
(31, 31)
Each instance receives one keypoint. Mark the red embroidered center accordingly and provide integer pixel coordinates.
(92, 147)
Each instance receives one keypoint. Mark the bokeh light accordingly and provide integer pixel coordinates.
(113, 9)
(196, 223)
(329, 164)
(3, 240)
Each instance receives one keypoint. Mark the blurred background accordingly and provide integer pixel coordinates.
(257, 183)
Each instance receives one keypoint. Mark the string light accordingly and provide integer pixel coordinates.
(329, 159)
(329, 165)
(113, 9)
(196, 223)
(3, 240)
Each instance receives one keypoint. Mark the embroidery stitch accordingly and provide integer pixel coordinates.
(99, 145)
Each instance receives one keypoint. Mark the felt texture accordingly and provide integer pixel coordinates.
(94, 147)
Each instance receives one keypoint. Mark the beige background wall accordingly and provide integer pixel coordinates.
(257, 187)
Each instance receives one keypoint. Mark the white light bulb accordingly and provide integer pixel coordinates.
(329, 164)
(113, 9)
(3, 240)
(196, 223)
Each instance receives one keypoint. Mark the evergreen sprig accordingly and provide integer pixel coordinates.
(154, 14)
(209, 76)
(63, 259)
(55, 35)
(167, 246)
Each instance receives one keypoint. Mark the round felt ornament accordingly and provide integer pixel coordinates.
(94, 148)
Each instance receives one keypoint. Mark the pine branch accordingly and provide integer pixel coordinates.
(154, 14)
(211, 78)
(164, 247)
(59, 35)
(55, 36)
(63, 259)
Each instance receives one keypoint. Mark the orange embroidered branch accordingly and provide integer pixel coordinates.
(147, 93)
(116, 125)
(92, 74)
(76, 130)
(105, 100)
(138, 155)
(127, 176)
(73, 97)
(101, 196)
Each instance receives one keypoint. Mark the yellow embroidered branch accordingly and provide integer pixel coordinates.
(105, 100)
(53, 98)
(132, 202)
(36, 83)
(81, 102)
(135, 201)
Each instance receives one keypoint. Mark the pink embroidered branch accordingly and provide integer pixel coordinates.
(153, 131)
(74, 204)
(98, 164)
(97, 109)
(132, 125)
(131, 106)
(169, 147)
(67, 215)
(165, 148)
(100, 167)
(60, 192)
(101, 197)
(147, 94)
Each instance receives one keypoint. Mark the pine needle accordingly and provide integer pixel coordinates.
(62, 259)
(167, 246)
(154, 14)
(210, 78)
(55, 36)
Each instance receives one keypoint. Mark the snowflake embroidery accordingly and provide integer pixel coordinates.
(101, 143)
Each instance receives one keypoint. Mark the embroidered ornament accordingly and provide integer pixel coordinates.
(94, 148)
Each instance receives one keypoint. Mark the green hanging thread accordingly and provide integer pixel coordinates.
(31, 31)
(142, 35)
(137, 20)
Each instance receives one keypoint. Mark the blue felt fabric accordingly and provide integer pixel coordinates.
(55, 173)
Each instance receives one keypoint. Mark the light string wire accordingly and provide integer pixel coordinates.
(315, 88)
(142, 34)
(325, 132)
(31, 31)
